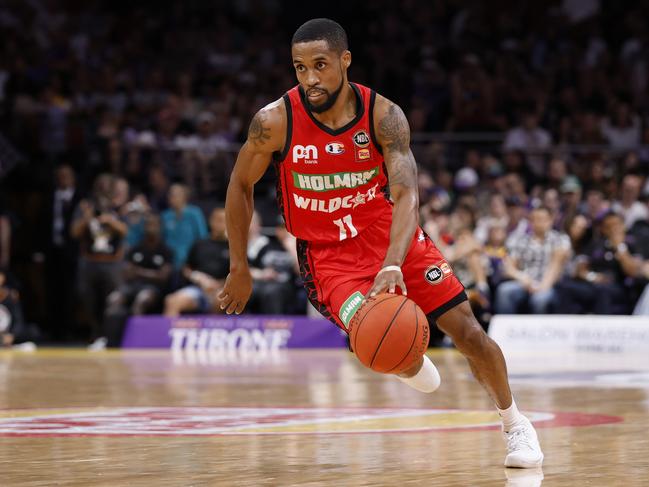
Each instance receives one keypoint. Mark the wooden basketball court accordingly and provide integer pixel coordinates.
(309, 418)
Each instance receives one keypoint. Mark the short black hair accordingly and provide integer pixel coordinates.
(322, 30)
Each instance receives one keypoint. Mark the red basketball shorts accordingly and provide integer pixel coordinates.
(338, 275)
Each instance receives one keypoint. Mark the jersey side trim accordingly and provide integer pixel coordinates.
(310, 282)
(371, 116)
(281, 187)
(280, 156)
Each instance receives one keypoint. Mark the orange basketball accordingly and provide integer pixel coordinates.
(389, 333)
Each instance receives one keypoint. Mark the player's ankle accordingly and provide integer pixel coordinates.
(511, 416)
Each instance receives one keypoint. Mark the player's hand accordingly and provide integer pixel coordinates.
(387, 280)
(236, 292)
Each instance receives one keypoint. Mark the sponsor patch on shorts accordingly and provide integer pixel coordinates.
(434, 274)
(349, 307)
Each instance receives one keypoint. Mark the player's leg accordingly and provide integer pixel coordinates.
(190, 298)
(488, 365)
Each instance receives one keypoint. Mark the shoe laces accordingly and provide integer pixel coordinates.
(519, 437)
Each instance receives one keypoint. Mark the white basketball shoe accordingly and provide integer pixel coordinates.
(524, 478)
(523, 449)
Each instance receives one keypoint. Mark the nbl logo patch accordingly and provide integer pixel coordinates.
(361, 139)
(436, 273)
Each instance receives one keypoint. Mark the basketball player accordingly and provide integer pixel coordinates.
(347, 188)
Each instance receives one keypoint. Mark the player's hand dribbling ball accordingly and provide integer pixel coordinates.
(389, 333)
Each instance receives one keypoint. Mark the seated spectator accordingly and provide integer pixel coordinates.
(200, 153)
(622, 130)
(604, 272)
(146, 277)
(273, 268)
(100, 232)
(182, 224)
(532, 139)
(13, 328)
(517, 224)
(497, 216)
(534, 263)
(495, 251)
(629, 206)
(207, 267)
(157, 190)
(642, 306)
(5, 240)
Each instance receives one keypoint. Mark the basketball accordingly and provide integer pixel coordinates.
(389, 333)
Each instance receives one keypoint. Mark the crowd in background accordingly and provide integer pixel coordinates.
(119, 125)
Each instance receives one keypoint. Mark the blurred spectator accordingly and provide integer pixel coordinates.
(629, 206)
(61, 252)
(13, 328)
(182, 224)
(642, 306)
(146, 276)
(207, 267)
(622, 130)
(200, 165)
(472, 98)
(532, 139)
(5, 241)
(101, 234)
(497, 216)
(557, 172)
(570, 195)
(601, 282)
(534, 263)
(157, 193)
(465, 255)
(517, 224)
(495, 251)
(273, 270)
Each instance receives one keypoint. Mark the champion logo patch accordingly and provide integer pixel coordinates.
(335, 148)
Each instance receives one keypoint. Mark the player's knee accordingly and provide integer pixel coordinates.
(171, 301)
(114, 300)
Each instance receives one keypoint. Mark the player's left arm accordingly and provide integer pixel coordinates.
(393, 135)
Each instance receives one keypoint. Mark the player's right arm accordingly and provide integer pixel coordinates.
(266, 135)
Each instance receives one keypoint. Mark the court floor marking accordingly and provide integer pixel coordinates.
(231, 421)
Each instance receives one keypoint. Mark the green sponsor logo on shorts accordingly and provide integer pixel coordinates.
(350, 307)
(329, 182)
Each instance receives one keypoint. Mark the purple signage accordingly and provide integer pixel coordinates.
(246, 332)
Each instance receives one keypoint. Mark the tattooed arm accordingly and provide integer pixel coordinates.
(393, 134)
(266, 134)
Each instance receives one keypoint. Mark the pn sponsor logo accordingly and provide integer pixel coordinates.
(308, 154)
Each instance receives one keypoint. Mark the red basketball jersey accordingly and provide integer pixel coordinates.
(332, 184)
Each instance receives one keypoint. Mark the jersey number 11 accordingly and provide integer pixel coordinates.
(345, 225)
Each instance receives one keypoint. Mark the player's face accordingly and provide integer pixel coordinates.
(321, 72)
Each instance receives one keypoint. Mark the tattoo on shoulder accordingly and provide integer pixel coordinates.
(258, 134)
(393, 129)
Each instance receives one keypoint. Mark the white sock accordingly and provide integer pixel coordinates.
(510, 416)
(426, 380)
